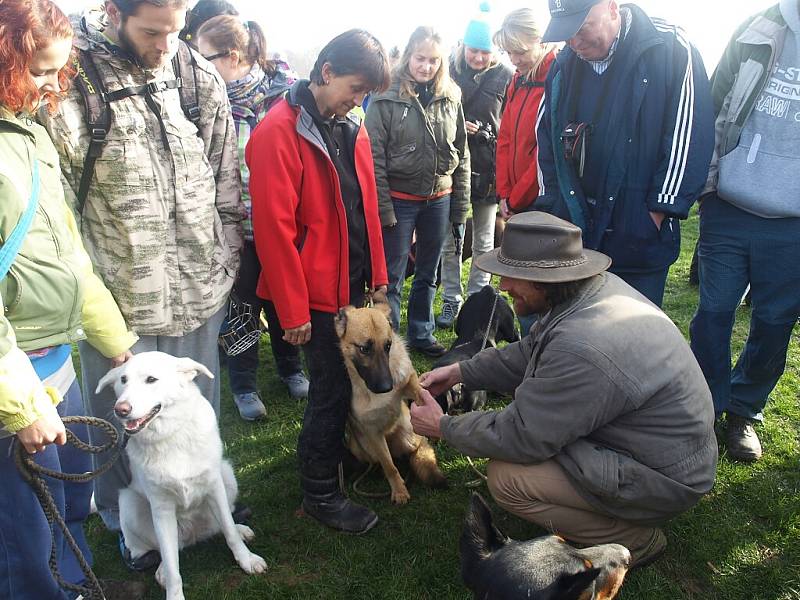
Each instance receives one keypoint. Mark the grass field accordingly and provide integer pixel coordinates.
(741, 542)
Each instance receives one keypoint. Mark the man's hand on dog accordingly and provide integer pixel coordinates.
(425, 415)
(297, 336)
(43, 431)
(442, 379)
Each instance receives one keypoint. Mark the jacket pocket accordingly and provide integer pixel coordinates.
(402, 161)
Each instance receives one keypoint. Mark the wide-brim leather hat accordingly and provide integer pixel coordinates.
(539, 247)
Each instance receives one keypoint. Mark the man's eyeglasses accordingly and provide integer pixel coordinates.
(217, 55)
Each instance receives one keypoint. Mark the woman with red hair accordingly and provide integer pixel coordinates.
(51, 298)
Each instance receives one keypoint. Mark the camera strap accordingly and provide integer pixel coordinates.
(579, 131)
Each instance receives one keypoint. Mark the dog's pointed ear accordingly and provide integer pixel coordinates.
(340, 320)
(384, 309)
(480, 527)
(190, 368)
(108, 379)
(573, 587)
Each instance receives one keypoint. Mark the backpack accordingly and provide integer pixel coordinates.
(96, 100)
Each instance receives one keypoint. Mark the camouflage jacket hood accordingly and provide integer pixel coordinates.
(162, 220)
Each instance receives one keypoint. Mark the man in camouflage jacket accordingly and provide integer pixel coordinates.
(162, 218)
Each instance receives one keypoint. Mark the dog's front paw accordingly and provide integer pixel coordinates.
(253, 564)
(400, 495)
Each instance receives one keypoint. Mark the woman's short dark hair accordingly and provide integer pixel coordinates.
(355, 52)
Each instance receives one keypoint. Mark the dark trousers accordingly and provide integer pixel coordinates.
(320, 446)
(243, 368)
(24, 533)
(738, 248)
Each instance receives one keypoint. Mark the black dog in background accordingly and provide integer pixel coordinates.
(495, 567)
(471, 325)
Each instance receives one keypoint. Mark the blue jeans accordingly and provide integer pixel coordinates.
(24, 533)
(738, 248)
(431, 220)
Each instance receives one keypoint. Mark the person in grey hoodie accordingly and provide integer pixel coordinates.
(750, 220)
(610, 432)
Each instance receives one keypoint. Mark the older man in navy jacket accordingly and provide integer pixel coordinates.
(626, 133)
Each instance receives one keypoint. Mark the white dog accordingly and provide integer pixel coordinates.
(182, 491)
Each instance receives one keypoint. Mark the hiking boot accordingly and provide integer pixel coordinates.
(447, 317)
(297, 384)
(250, 406)
(435, 350)
(650, 552)
(114, 589)
(323, 499)
(741, 439)
(145, 562)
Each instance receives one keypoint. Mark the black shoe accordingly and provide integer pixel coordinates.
(323, 500)
(241, 514)
(741, 439)
(435, 350)
(145, 562)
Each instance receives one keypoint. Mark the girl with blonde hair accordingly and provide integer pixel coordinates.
(422, 170)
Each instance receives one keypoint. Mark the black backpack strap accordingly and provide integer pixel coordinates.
(98, 118)
(184, 65)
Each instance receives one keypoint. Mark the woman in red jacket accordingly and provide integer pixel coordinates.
(520, 38)
(318, 238)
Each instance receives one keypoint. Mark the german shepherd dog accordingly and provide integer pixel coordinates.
(495, 567)
(383, 381)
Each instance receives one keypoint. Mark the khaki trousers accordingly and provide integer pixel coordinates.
(543, 494)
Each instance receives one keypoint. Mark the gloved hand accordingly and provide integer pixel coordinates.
(458, 237)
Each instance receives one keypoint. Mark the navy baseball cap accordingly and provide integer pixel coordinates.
(566, 18)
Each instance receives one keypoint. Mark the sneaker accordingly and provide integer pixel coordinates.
(447, 317)
(651, 552)
(250, 406)
(297, 384)
(741, 439)
(434, 350)
(145, 562)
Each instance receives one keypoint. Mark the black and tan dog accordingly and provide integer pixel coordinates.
(384, 381)
(472, 336)
(496, 567)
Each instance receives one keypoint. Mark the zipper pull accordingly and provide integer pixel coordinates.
(405, 114)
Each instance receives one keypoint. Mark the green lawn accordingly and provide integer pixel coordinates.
(741, 542)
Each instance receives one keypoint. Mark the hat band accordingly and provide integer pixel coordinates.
(542, 264)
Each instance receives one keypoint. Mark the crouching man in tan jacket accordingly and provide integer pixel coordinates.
(610, 432)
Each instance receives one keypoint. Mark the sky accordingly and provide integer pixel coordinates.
(308, 24)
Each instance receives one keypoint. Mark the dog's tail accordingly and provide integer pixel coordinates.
(424, 466)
